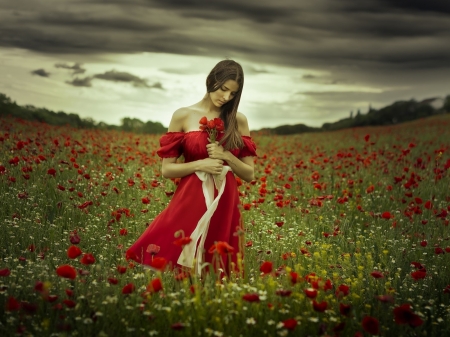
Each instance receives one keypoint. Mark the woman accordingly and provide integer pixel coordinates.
(204, 208)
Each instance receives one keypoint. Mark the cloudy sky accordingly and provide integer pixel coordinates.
(306, 62)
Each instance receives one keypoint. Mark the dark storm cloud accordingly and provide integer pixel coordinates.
(81, 82)
(41, 72)
(344, 36)
(76, 68)
(438, 6)
(120, 76)
(258, 11)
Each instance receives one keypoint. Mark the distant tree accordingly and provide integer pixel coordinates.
(447, 104)
(358, 118)
(153, 127)
(131, 124)
(351, 114)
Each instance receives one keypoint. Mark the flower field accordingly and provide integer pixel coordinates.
(346, 234)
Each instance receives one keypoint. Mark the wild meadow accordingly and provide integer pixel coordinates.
(346, 233)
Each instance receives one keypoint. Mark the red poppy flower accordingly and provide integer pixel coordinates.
(327, 285)
(155, 285)
(418, 274)
(129, 255)
(182, 241)
(290, 323)
(283, 292)
(121, 269)
(203, 120)
(158, 263)
(51, 171)
(438, 250)
(320, 307)
(342, 290)
(377, 274)
(87, 259)
(123, 231)
(294, 277)
(404, 315)
(29, 308)
(370, 325)
(311, 292)
(153, 249)
(66, 271)
(39, 286)
(387, 215)
(51, 298)
(251, 297)
(12, 304)
(220, 126)
(345, 309)
(74, 238)
(221, 247)
(113, 280)
(128, 288)
(85, 204)
(177, 326)
(5, 272)
(73, 252)
(266, 267)
(279, 223)
(418, 265)
(145, 200)
(69, 303)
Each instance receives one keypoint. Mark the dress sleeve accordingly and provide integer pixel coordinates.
(171, 145)
(249, 148)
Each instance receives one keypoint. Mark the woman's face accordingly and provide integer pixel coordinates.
(225, 93)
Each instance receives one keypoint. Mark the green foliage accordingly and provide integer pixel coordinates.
(32, 113)
(447, 104)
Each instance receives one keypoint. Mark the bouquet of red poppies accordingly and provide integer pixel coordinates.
(212, 126)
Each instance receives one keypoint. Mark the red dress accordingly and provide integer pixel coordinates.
(188, 205)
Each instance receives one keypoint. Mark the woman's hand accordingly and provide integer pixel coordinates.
(215, 151)
(211, 166)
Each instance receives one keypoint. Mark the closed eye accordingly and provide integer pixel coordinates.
(226, 89)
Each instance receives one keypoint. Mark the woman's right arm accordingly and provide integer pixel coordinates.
(172, 169)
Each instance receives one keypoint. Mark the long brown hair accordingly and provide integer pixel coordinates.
(223, 71)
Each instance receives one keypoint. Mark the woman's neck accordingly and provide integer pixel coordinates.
(208, 106)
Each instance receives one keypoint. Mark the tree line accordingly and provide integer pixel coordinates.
(32, 113)
(397, 112)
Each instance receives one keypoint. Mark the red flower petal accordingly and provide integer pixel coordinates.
(66, 271)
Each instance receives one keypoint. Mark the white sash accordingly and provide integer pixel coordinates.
(201, 230)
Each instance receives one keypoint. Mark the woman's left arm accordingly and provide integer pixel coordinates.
(242, 167)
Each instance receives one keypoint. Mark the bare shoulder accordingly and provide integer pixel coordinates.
(242, 124)
(178, 120)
